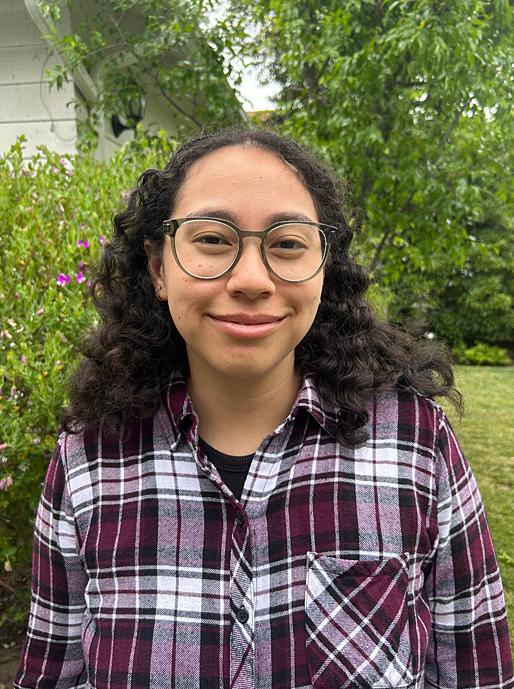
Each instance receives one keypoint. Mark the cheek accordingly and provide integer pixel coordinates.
(188, 299)
(311, 297)
(306, 303)
(312, 305)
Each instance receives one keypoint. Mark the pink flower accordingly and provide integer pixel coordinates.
(3, 446)
(63, 279)
(23, 359)
(55, 170)
(68, 167)
(80, 278)
(84, 243)
(40, 311)
(101, 239)
(6, 483)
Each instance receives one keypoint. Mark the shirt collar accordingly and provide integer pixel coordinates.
(180, 409)
(176, 401)
(323, 412)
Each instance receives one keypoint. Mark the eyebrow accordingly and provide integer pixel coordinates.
(224, 214)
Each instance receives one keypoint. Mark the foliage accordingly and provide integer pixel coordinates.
(409, 100)
(467, 304)
(55, 213)
(380, 297)
(148, 47)
(481, 354)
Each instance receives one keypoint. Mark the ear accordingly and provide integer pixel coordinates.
(155, 268)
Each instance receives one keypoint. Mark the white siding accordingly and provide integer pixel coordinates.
(27, 106)
(159, 114)
(109, 144)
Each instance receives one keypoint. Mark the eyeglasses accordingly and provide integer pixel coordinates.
(208, 248)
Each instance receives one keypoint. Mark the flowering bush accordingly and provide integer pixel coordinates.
(55, 214)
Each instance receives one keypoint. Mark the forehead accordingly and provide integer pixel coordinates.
(246, 180)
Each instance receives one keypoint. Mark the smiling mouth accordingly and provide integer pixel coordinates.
(249, 328)
(248, 320)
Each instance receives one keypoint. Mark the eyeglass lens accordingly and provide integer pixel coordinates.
(208, 248)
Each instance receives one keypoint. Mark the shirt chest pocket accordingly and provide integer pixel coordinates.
(357, 623)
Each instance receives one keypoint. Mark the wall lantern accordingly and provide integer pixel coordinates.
(135, 113)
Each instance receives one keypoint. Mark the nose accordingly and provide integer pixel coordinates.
(250, 276)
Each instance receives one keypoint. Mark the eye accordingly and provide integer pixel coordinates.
(211, 239)
(289, 244)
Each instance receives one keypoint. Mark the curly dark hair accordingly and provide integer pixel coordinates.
(130, 357)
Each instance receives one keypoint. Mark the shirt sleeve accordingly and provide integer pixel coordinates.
(469, 646)
(52, 653)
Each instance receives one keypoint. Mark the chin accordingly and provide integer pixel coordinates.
(244, 371)
(248, 366)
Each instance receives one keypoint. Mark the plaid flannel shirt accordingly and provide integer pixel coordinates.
(339, 567)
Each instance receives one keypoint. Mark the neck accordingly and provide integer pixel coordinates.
(235, 415)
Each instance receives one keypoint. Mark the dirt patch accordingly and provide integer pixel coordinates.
(12, 630)
(9, 658)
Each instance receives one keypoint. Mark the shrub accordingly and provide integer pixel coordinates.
(466, 304)
(55, 212)
(481, 354)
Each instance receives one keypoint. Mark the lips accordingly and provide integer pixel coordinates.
(247, 326)
(248, 319)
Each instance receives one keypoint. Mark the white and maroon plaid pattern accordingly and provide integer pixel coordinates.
(349, 568)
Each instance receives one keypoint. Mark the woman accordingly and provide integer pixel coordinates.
(254, 487)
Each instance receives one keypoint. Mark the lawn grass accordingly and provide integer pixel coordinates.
(486, 435)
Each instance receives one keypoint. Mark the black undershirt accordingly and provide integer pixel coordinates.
(232, 468)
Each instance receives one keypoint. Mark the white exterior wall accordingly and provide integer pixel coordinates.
(27, 106)
(158, 115)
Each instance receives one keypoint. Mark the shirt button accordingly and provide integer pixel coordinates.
(242, 615)
(239, 519)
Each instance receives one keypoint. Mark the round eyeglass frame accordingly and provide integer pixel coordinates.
(171, 226)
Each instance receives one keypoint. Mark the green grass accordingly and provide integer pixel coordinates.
(486, 435)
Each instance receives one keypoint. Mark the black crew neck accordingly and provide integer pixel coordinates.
(234, 463)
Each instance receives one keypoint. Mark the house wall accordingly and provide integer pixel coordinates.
(158, 115)
(27, 106)
(50, 117)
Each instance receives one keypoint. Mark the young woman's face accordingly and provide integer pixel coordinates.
(249, 186)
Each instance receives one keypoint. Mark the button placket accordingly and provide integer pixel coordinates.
(239, 519)
(242, 598)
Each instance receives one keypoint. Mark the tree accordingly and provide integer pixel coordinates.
(409, 100)
(462, 305)
(133, 46)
